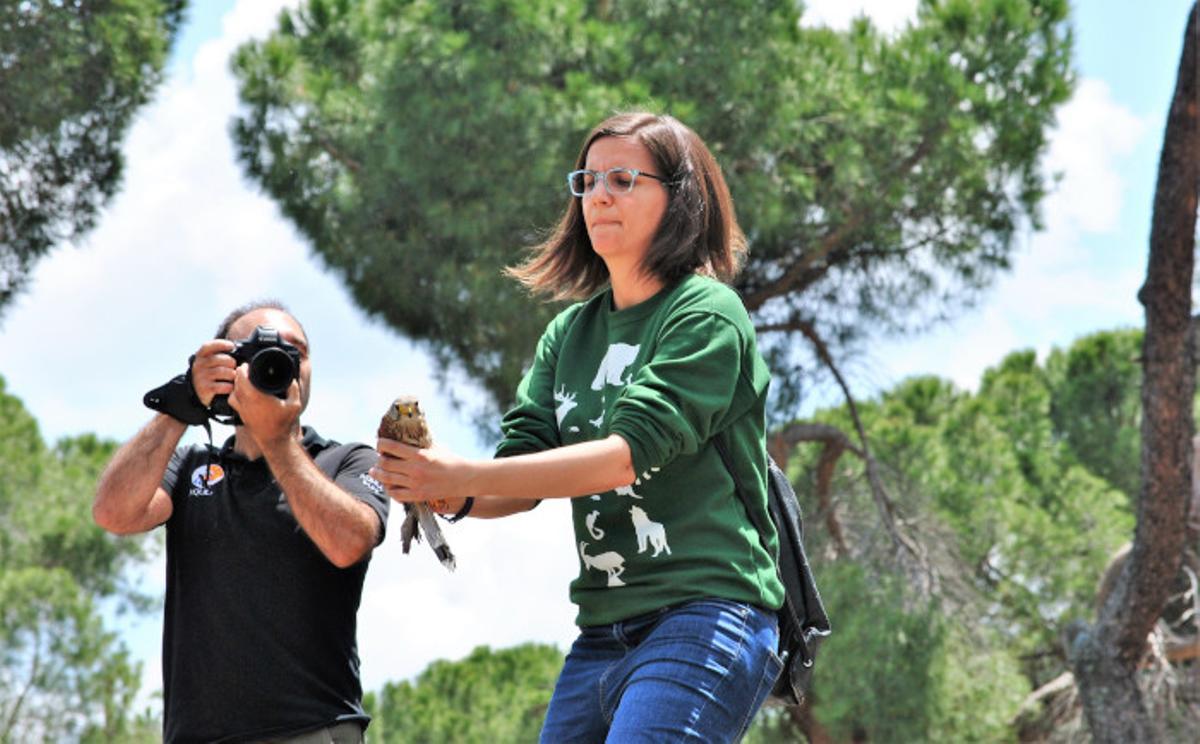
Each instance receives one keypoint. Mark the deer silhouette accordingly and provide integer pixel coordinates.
(565, 401)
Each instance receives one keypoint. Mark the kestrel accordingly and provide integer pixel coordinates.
(405, 423)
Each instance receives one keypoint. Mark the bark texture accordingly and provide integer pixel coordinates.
(1105, 657)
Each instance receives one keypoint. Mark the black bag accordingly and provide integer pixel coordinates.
(803, 623)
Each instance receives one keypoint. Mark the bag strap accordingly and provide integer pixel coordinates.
(755, 516)
(757, 519)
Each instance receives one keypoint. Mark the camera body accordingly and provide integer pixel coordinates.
(273, 364)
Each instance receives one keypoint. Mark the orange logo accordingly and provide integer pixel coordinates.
(215, 474)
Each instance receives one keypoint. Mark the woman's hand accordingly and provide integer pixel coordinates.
(411, 474)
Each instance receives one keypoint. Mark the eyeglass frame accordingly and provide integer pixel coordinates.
(602, 177)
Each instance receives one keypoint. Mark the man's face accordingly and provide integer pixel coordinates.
(289, 330)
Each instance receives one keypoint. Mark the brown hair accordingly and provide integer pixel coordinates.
(698, 233)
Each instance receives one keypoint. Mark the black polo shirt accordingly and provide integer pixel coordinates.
(259, 627)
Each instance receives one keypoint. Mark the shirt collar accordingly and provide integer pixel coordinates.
(310, 440)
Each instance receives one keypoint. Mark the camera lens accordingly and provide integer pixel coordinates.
(272, 371)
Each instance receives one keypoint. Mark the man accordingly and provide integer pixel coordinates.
(268, 540)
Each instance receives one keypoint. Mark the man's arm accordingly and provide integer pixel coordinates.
(342, 527)
(129, 498)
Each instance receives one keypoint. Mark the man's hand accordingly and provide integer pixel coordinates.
(267, 418)
(213, 370)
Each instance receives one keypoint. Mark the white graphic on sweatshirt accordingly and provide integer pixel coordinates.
(612, 563)
(598, 422)
(593, 530)
(612, 367)
(626, 491)
(565, 401)
(649, 531)
(645, 476)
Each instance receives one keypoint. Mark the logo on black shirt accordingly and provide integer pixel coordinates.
(199, 488)
(372, 485)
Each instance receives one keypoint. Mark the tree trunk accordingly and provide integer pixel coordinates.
(814, 732)
(1105, 657)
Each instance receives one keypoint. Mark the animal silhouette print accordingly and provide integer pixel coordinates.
(627, 491)
(649, 532)
(565, 401)
(593, 530)
(612, 563)
(612, 367)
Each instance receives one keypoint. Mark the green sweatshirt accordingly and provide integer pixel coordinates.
(667, 375)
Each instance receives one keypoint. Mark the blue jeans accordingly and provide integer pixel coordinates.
(697, 671)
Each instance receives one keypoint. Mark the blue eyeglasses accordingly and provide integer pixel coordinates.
(615, 180)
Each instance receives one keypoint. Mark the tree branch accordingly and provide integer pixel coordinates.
(836, 442)
(332, 150)
(326, 144)
(884, 505)
(830, 455)
(791, 277)
(794, 433)
(14, 714)
(834, 239)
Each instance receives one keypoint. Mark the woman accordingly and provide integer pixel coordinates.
(627, 391)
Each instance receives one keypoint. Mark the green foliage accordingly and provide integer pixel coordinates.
(1018, 517)
(1042, 526)
(421, 145)
(980, 688)
(879, 687)
(62, 674)
(1034, 525)
(72, 76)
(894, 671)
(489, 696)
(1097, 404)
(773, 725)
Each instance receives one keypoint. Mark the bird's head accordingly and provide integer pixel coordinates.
(405, 407)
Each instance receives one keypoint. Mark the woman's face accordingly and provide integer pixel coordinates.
(622, 226)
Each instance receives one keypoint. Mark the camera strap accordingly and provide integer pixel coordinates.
(207, 452)
(177, 398)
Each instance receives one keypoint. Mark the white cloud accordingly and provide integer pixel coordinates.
(1062, 284)
(1093, 133)
(887, 15)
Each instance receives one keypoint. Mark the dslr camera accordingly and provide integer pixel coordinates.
(273, 364)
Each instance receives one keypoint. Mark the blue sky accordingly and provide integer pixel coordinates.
(188, 238)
